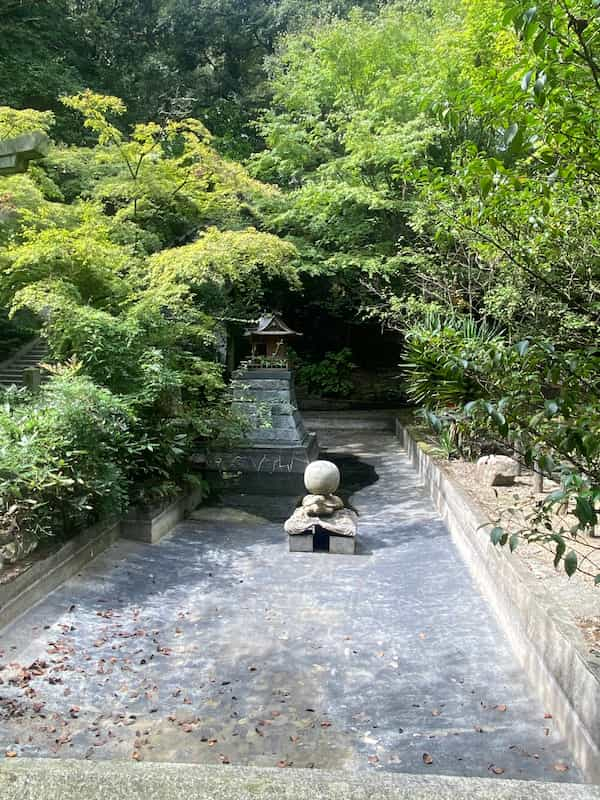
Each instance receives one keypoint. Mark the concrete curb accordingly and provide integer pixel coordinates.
(46, 575)
(67, 779)
(150, 526)
(552, 653)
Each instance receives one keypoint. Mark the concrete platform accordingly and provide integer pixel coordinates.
(219, 647)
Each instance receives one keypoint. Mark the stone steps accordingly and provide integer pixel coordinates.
(350, 420)
(28, 357)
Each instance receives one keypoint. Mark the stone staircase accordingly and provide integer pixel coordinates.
(12, 371)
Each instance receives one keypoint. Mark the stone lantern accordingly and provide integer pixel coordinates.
(15, 154)
(277, 448)
(270, 340)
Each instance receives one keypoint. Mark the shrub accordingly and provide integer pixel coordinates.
(444, 357)
(330, 377)
(63, 460)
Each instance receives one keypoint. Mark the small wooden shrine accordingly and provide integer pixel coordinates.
(270, 339)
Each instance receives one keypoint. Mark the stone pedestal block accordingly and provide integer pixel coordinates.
(342, 545)
(277, 448)
(302, 543)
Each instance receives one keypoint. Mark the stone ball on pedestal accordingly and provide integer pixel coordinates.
(322, 477)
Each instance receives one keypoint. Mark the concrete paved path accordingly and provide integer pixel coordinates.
(218, 646)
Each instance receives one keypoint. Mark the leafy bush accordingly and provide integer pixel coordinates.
(530, 398)
(444, 357)
(330, 377)
(84, 248)
(63, 460)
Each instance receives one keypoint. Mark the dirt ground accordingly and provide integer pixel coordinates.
(577, 596)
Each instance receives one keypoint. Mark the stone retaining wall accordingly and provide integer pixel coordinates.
(47, 574)
(20, 594)
(550, 649)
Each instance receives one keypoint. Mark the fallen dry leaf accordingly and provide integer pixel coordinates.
(10, 754)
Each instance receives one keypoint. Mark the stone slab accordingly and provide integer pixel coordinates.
(342, 545)
(550, 650)
(342, 523)
(266, 458)
(350, 421)
(301, 543)
(68, 779)
(248, 376)
(16, 153)
(244, 396)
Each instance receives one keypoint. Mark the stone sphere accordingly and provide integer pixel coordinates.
(322, 477)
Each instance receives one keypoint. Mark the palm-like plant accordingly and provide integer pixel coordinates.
(444, 359)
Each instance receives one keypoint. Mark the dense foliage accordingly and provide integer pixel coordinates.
(165, 58)
(63, 461)
(441, 165)
(130, 254)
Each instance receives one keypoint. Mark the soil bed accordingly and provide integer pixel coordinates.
(577, 595)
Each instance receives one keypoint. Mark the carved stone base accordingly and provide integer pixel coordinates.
(340, 523)
(335, 533)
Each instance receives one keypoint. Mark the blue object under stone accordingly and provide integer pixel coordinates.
(277, 448)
